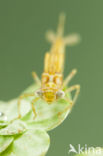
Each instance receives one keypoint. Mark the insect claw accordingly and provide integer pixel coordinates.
(59, 113)
(74, 71)
(71, 102)
(19, 116)
(34, 117)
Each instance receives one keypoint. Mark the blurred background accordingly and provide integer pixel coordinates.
(22, 48)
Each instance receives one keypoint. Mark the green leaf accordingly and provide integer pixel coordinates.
(31, 143)
(10, 108)
(3, 124)
(5, 141)
(8, 152)
(48, 117)
(17, 127)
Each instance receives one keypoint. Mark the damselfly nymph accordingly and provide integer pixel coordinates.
(52, 83)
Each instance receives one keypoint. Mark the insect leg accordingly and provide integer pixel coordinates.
(36, 78)
(33, 108)
(69, 77)
(67, 108)
(19, 102)
(77, 89)
(71, 103)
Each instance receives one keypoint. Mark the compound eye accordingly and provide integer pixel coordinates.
(39, 93)
(60, 94)
(3, 116)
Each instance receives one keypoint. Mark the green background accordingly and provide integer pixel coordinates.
(22, 48)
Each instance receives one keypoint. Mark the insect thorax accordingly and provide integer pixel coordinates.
(52, 80)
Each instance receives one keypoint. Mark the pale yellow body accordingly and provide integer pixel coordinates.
(52, 83)
(52, 77)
